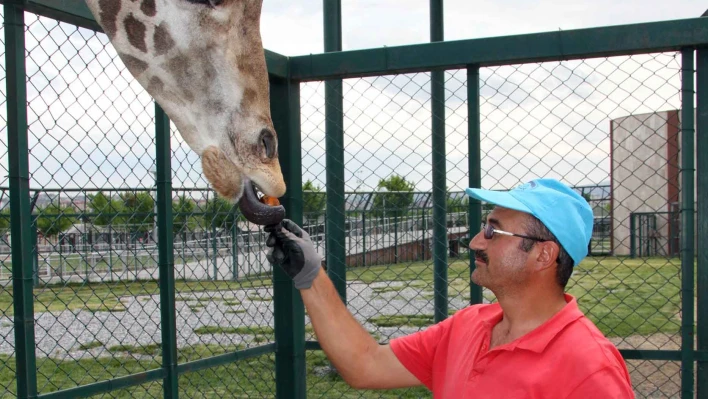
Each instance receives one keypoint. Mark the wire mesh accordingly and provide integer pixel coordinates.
(97, 296)
(607, 127)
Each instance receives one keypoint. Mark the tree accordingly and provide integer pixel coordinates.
(5, 220)
(456, 203)
(218, 211)
(105, 208)
(51, 219)
(313, 201)
(398, 197)
(182, 215)
(138, 206)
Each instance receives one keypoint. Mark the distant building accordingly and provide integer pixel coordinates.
(646, 183)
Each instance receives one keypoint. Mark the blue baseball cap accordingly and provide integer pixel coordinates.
(562, 210)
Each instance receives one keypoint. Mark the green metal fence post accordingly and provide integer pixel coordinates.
(20, 214)
(234, 247)
(287, 303)
(632, 236)
(214, 252)
(166, 263)
(334, 144)
(687, 215)
(702, 217)
(474, 160)
(437, 82)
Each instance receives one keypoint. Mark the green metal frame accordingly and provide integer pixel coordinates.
(20, 216)
(474, 166)
(549, 46)
(702, 219)
(437, 102)
(334, 159)
(288, 308)
(286, 75)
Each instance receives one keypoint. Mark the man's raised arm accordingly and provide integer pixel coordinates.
(359, 359)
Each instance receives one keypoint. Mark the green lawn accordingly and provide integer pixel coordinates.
(254, 377)
(621, 296)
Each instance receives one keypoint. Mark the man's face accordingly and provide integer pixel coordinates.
(500, 261)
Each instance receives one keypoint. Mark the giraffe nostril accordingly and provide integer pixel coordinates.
(215, 3)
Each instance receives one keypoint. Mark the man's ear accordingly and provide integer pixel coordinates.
(547, 254)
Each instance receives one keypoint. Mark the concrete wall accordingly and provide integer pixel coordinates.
(645, 176)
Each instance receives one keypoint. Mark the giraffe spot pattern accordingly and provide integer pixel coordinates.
(136, 32)
(148, 8)
(135, 66)
(109, 16)
(162, 39)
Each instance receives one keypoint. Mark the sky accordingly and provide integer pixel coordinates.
(91, 124)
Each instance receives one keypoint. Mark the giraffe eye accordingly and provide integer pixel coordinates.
(268, 145)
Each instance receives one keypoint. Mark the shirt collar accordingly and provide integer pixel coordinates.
(539, 338)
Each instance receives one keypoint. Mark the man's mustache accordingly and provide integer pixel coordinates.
(481, 255)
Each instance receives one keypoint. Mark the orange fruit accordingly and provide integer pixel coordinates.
(271, 201)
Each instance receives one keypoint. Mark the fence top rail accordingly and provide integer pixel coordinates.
(516, 49)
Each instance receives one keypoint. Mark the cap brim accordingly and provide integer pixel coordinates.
(499, 198)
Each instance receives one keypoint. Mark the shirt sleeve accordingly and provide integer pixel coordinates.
(608, 382)
(417, 351)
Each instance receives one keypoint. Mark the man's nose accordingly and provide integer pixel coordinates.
(478, 242)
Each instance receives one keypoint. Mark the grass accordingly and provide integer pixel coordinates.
(253, 330)
(622, 296)
(259, 298)
(108, 305)
(90, 345)
(147, 350)
(253, 377)
(402, 320)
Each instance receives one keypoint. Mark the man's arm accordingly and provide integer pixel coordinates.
(360, 360)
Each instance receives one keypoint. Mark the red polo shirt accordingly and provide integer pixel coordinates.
(566, 357)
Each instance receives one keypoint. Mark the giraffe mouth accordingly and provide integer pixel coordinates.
(257, 212)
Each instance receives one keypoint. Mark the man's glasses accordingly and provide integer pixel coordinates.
(489, 232)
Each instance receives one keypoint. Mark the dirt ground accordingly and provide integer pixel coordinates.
(653, 378)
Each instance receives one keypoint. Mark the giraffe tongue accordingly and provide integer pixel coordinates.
(257, 212)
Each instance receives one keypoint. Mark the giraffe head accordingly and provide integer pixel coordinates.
(203, 62)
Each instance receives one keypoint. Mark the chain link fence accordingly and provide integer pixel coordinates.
(96, 295)
(607, 127)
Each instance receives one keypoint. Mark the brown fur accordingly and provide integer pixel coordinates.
(136, 33)
(109, 16)
(163, 40)
(156, 86)
(148, 8)
(134, 65)
(221, 173)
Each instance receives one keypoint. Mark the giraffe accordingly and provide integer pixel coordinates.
(203, 62)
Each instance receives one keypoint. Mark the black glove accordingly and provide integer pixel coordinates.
(292, 249)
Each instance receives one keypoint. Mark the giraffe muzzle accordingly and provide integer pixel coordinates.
(257, 212)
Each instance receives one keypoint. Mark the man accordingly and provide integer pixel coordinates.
(533, 343)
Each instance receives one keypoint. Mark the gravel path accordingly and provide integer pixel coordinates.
(60, 334)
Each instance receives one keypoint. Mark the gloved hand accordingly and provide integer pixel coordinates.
(292, 249)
